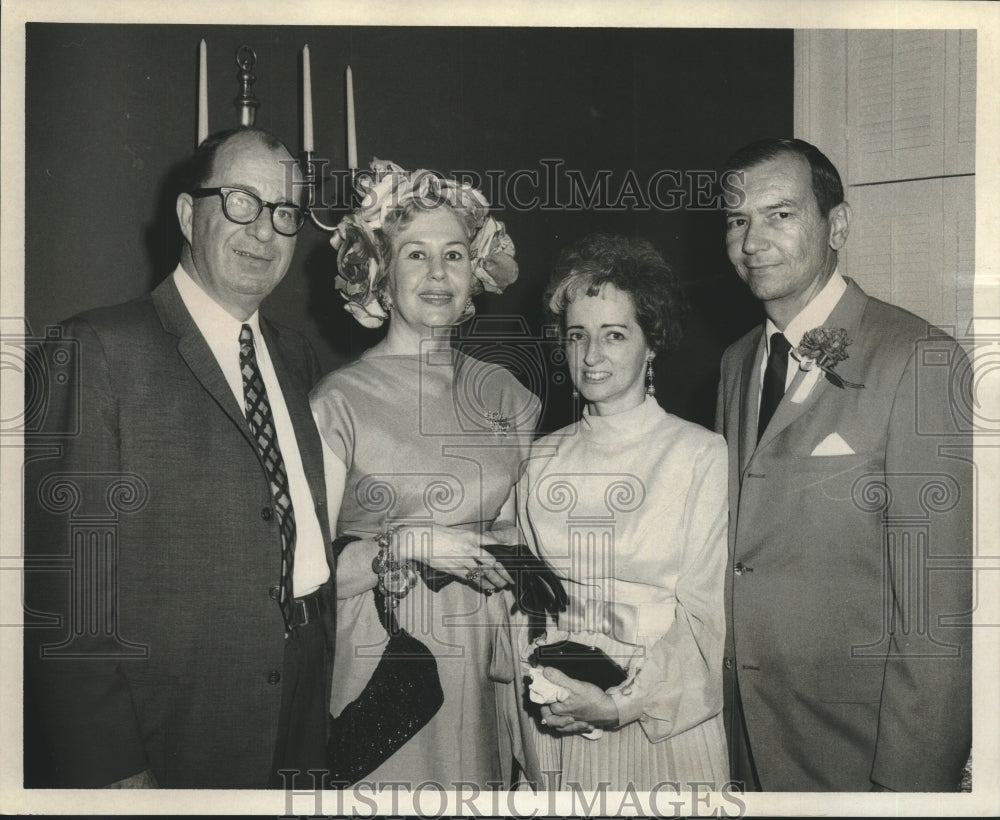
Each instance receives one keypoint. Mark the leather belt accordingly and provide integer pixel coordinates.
(306, 609)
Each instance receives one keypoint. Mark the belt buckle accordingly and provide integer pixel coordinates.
(302, 610)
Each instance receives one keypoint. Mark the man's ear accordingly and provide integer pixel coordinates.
(185, 215)
(840, 225)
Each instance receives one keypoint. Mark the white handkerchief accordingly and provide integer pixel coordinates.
(833, 445)
(542, 690)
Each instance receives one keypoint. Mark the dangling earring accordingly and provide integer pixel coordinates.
(576, 393)
(650, 390)
(467, 312)
(385, 300)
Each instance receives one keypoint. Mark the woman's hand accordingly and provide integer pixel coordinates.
(451, 550)
(582, 708)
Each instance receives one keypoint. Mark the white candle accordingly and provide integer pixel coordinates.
(307, 102)
(202, 92)
(352, 137)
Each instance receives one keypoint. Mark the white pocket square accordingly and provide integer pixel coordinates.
(833, 445)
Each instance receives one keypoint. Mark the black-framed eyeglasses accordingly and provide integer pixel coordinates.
(243, 207)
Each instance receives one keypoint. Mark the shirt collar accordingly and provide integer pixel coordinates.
(812, 315)
(213, 320)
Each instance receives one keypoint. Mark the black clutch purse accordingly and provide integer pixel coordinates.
(402, 695)
(581, 662)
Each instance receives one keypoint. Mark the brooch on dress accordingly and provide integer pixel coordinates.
(499, 423)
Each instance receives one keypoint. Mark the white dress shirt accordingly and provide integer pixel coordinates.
(222, 332)
(811, 316)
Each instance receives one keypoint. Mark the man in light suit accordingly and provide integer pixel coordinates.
(847, 663)
(179, 597)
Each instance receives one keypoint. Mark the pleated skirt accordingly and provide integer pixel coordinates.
(625, 757)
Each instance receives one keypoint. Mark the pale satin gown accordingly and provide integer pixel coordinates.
(434, 438)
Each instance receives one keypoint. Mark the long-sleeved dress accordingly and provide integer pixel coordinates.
(631, 511)
(438, 438)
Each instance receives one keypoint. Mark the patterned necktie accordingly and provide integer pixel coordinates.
(774, 381)
(261, 420)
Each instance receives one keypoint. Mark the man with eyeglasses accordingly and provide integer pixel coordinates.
(208, 665)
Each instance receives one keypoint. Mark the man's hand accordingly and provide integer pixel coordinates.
(143, 780)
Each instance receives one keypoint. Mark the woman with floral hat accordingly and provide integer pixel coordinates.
(423, 444)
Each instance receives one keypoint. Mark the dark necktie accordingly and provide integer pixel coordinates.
(774, 381)
(261, 421)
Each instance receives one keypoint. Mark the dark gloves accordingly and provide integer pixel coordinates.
(537, 589)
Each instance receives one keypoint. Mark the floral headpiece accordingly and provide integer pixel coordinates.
(361, 269)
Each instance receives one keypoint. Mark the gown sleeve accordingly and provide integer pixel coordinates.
(680, 685)
(334, 419)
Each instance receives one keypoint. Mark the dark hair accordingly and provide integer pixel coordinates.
(202, 163)
(826, 184)
(633, 266)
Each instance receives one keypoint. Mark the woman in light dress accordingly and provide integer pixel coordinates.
(629, 507)
(423, 445)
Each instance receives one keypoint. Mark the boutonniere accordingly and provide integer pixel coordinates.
(499, 423)
(825, 348)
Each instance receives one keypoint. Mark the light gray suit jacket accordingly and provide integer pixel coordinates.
(849, 590)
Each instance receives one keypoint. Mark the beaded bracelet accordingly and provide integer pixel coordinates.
(395, 578)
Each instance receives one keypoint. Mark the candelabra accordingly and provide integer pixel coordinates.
(247, 104)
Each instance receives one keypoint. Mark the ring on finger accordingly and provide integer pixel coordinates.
(474, 573)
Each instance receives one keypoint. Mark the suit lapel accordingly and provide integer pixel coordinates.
(846, 314)
(787, 411)
(196, 353)
(296, 398)
(749, 394)
(199, 358)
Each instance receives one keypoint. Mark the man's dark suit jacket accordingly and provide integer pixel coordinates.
(849, 592)
(167, 647)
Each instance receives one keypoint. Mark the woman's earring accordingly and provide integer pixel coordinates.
(467, 312)
(650, 390)
(385, 300)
